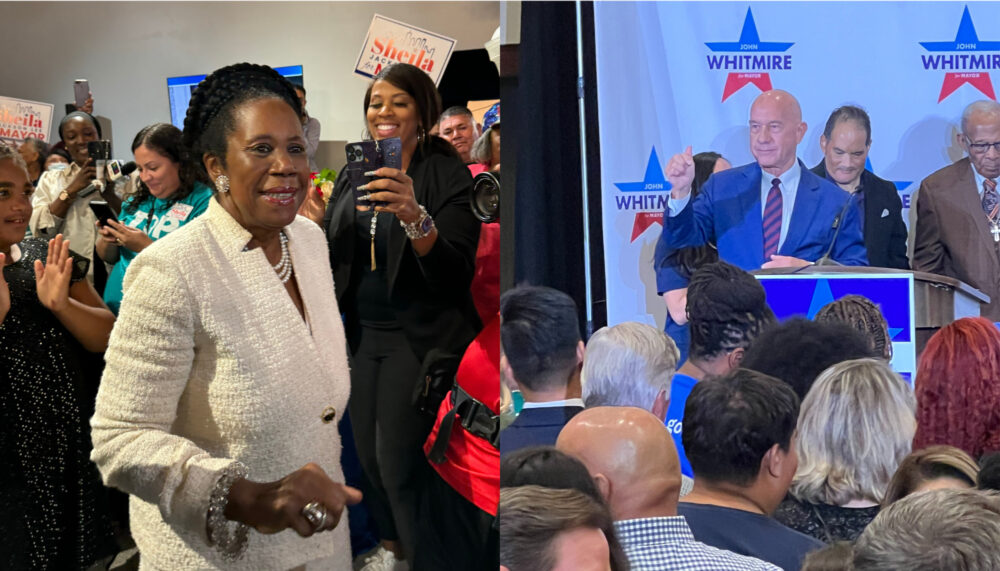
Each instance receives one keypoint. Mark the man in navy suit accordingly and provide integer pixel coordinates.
(542, 353)
(770, 213)
(845, 141)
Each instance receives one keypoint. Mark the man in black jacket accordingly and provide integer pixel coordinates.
(845, 141)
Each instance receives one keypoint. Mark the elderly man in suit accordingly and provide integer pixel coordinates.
(542, 353)
(845, 141)
(958, 223)
(770, 213)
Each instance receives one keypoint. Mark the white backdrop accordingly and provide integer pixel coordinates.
(912, 65)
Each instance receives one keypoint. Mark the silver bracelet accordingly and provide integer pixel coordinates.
(229, 537)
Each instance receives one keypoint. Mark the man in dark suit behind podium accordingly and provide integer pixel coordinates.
(845, 141)
(542, 353)
(770, 213)
(957, 231)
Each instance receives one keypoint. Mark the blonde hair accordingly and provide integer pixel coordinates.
(855, 427)
(928, 464)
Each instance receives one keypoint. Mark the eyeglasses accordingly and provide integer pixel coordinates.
(980, 148)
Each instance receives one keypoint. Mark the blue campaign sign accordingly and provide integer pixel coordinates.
(794, 295)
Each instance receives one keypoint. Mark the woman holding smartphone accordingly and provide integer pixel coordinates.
(169, 196)
(402, 273)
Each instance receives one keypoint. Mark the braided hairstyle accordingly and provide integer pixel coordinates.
(727, 308)
(211, 113)
(862, 314)
(165, 139)
(688, 260)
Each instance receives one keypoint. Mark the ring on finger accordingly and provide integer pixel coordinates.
(118, 241)
(315, 514)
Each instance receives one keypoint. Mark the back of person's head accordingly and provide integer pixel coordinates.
(727, 309)
(862, 314)
(631, 457)
(855, 427)
(732, 422)
(534, 521)
(540, 334)
(547, 467)
(929, 468)
(836, 556)
(629, 364)
(41, 149)
(211, 113)
(958, 387)
(953, 530)
(989, 472)
(798, 350)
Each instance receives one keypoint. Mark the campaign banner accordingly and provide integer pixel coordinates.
(390, 41)
(20, 119)
(673, 74)
(803, 295)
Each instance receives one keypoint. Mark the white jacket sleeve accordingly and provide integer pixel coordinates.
(149, 361)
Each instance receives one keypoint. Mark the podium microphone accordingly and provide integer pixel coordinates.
(826, 260)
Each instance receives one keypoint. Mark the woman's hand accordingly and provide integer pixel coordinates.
(313, 206)
(275, 506)
(83, 177)
(4, 290)
(122, 235)
(52, 279)
(395, 189)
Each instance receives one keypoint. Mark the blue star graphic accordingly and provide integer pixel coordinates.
(823, 295)
(899, 184)
(653, 181)
(966, 35)
(749, 41)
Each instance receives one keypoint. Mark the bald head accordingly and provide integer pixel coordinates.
(776, 129)
(631, 456)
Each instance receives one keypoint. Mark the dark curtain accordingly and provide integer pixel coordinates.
(544, 125)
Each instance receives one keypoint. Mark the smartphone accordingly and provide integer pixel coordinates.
(81, 89)
(102, 211)
(366, 156)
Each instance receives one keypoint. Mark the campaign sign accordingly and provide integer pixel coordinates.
(20, 119)
(793, 295)
(389, 41)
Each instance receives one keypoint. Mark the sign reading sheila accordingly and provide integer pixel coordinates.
(20, 119)
(389, 41)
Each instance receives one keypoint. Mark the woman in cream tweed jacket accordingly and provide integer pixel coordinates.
(212, 363)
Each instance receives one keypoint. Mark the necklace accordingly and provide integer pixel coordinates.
(284, 265)
(372, 233)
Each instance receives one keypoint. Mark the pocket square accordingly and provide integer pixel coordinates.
(885, 212)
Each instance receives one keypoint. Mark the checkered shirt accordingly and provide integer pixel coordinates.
(666, 544)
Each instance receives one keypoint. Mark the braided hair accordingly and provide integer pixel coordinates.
(860, 313)
(165, 139)
(727, 309)
(211, 113)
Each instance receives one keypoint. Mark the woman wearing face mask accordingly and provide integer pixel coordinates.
(168, 197)
(53, 508)
(57, 207)
(228, 367)
(402, 273)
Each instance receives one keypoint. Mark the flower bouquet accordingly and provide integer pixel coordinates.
(323, 183)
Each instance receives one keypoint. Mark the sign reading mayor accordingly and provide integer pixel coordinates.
(20, 119)
(389, 41)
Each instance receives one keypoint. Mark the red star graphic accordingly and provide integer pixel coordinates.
(953, 81)
(736, 81)
(644, 220)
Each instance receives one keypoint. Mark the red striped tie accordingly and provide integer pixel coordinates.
(772, 220)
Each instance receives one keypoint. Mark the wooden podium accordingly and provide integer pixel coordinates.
(937, 300)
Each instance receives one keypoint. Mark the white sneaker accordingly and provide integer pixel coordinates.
(381, 559)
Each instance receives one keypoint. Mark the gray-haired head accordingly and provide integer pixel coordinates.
(628, 364)
(984, 107)
(957, 530)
